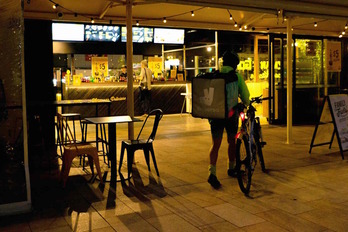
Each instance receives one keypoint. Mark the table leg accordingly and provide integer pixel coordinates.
(112, 153)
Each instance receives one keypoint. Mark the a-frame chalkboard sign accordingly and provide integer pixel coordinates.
(333, 120)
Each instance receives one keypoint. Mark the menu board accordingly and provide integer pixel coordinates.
(140, 34)
(99, 68)
(102, 33)
(169, 36)
(333, 56)
(67, 31)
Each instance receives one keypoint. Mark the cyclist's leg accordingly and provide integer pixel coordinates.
(231, 128)
(216, 131)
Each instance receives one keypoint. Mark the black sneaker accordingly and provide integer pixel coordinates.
(214, 182)
(232, 172)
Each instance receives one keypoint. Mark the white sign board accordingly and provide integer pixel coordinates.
(339, 106)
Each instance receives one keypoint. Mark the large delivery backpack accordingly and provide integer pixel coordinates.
(209, 94)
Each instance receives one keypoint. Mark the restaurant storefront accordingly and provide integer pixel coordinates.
(262, 64)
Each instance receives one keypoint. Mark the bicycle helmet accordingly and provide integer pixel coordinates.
(230, 58)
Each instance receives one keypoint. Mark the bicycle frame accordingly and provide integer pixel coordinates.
(247, 129)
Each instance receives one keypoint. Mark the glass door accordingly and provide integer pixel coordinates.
(277, 79)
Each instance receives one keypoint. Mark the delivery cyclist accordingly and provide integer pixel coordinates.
(235, 87)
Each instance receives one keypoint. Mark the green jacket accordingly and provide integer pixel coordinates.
(235, 89)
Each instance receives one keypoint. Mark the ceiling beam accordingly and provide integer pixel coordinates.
(106, 8)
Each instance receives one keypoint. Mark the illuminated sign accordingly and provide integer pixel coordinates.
(102, 33)
(67, 31)
(140, 34)
(169, 36)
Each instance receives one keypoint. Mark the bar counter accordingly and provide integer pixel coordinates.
(165, 95)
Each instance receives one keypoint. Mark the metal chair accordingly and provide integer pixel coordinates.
(73, 149)
(145, 144)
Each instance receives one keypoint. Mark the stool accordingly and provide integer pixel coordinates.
(102, 139)
(72, 116)
(187, 95)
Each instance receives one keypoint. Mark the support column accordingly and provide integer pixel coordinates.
(129, 55)
(289, 49)
(256, 58)
(216, 51)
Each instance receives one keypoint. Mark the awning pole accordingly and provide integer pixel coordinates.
(289, 48)
(129, 56)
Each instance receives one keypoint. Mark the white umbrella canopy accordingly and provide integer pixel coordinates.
(260, 16)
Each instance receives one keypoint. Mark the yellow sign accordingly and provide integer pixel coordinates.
(77, 79)
(156, 65)
(333, 56)
(99, 68)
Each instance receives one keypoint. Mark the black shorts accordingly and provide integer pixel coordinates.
(217, 127)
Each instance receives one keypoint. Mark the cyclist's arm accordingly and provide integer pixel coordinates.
(243, 90)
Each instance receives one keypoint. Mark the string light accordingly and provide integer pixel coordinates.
(346, 27)
(343, 32)
(231, 17)
(315, 24)
(164, 20)
(192, 13)
(340, 36)
(55, 6)
(245, 27)
(137, 23)
(240, 28)
(235, 24)
(92, 20)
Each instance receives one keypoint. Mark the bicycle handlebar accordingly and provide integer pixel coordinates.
(259, 99)
(240, 106)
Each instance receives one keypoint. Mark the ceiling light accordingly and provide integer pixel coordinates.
(92, 20)
(137, 23)
(209, 49)
(192, 13)
(55, 6)
(315, 24)
(164, 20)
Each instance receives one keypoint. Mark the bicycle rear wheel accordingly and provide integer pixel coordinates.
(244, 171)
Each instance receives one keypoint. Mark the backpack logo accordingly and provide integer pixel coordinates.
(208, 96)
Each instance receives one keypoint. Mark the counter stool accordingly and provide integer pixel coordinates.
(187, 95)
(73, 116)
(99, 139)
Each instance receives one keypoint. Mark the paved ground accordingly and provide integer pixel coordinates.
(300, 192)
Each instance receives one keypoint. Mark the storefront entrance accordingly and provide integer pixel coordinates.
(277, 79)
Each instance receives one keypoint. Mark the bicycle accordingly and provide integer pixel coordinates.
(249, 144)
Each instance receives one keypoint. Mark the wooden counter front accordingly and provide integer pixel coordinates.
(165, 95)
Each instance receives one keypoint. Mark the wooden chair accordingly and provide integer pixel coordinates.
(73, 149)
(145, 144)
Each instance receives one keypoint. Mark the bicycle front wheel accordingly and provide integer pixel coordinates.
(243, 165)
(260, 155)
